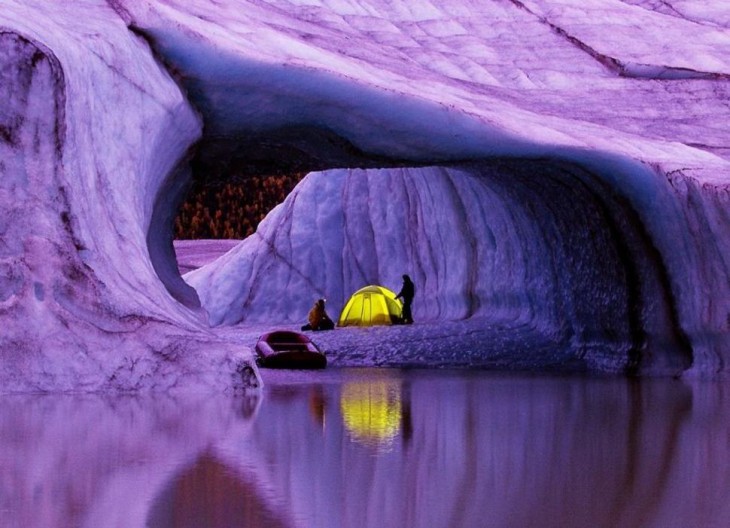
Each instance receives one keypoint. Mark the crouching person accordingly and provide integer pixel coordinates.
(318, 318)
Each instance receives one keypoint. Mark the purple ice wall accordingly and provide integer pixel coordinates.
(623, 102)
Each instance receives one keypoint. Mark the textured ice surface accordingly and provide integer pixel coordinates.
(90, 129)
(192, 254)
(94, 138)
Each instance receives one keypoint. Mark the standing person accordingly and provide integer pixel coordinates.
(407, 292)
(318, 318)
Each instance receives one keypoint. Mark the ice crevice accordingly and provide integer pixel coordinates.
(698, 14)
(621, 67)
(660, 5)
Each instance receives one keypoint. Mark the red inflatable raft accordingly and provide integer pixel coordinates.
(288, 350)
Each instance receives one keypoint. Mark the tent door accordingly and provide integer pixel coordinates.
(366, 308)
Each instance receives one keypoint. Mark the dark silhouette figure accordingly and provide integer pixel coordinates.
(318, 318)
(407, 292)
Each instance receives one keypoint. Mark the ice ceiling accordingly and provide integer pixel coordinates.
(566, 164)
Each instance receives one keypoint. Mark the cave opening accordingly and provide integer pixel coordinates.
(231, 209)
(227, 185)
(571, 255)
(527, 242)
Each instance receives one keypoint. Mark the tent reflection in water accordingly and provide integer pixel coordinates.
(370, 306)
(372, 411)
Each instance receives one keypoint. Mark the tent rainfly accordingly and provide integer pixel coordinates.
(371, 305)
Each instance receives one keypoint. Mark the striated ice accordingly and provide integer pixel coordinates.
(623, 104)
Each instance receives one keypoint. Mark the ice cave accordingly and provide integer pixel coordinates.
(539, 175)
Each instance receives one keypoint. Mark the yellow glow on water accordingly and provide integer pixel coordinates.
(371, 411)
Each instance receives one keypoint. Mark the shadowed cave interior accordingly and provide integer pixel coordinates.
(590, 269)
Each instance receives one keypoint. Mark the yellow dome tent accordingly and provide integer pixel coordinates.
(371, 305)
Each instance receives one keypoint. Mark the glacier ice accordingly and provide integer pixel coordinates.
(103, 103)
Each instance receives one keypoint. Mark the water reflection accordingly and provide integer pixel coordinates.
(211, 494)
(371, 410)
(374, 448)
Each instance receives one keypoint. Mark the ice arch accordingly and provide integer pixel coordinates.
(521, 242)
(95, 134)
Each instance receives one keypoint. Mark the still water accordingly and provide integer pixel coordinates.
(374, 448)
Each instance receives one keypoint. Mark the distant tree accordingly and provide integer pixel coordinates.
(232, 209)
